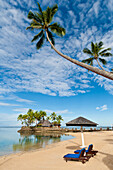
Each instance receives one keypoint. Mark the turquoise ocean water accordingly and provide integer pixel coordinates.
(12, 142)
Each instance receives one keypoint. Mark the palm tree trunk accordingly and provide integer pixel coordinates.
(88, 67)
(36, 122)
(99, 64)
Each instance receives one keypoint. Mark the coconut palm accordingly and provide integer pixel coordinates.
(20, 118)
(53, 116)
(25, 119)
(30, 117)
(48, 118)
(43, 114)
(97, 51)
(37, 116)
(59, 119)
(42, 22)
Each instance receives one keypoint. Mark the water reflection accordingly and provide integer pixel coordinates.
(40, 140)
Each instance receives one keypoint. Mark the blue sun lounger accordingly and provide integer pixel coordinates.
(77, 157)
(89, 151)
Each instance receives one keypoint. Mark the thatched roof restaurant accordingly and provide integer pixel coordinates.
(81, 121)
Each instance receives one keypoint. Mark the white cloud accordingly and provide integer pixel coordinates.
(58, 111)
(21, 110)
(96, 8)
(110, 5)
(7, 104)
(102, 108)
(14, 98)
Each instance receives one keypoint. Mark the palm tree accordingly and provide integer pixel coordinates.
(20, 118)
(37, 116)
(25, 119)
(30, 117)
(42, 21)
(59, 119)
(53, 116)
(95, 52)
(43, 114)
(48, 118)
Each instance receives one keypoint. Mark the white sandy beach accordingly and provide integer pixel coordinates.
(51, 157)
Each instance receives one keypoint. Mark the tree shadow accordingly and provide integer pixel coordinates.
(108, 160)
(73, 147)
(109, 140)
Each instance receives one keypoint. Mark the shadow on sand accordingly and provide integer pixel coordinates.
(108, 160)
(74, 146)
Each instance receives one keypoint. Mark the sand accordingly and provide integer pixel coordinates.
(51, 157)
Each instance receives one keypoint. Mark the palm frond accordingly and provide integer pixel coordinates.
(104, 51)
(87, 51)
(91, 63)
(34, 16)
(88, 61)
(37, 36)
(40, 42)
(30, 15)
(48, 17)
(35, 23)
(34, 27)
(54, 10)
(100, 44)
(57, 29)
(106, 54)
(92, 47)
(103, 61)
(40, 12)
(51, 37)
(30, 27)
(96, 49)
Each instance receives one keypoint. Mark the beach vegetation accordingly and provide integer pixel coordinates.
(59, 119)
(38, 118)
(43, 22)
(97, 51)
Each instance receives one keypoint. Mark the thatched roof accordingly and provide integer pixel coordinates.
(81, 121)
(44, 123)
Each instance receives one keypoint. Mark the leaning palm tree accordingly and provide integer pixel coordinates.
(42, 21)
(96, 52)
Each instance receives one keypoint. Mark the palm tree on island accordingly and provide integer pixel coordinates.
(43, 114)
(95, 52)
(41, 21)
(37, 117)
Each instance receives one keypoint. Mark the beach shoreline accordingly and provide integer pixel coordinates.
(51, 157)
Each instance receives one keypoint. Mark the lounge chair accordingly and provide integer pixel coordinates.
(77, 157)
(89, 151)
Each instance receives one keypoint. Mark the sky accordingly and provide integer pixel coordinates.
(43, 80)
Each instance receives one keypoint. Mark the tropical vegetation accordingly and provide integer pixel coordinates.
(43, 21)
(32, 117)
(97, 51)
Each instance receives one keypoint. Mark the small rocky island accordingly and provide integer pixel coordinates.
(40, 120)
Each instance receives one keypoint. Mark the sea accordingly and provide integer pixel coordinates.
(13, 142)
